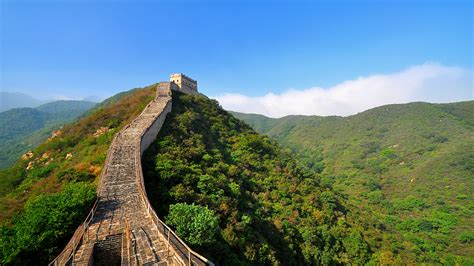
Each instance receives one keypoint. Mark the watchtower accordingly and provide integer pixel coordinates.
(183, 83)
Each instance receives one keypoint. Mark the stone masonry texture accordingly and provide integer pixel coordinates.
(122, 228)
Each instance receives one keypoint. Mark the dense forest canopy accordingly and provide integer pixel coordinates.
(406, 169)
(270, 208)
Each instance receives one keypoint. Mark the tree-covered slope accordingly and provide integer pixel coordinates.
(408, 169)
(253, 202)
(19, 122)
(48, 192)
(22, 129)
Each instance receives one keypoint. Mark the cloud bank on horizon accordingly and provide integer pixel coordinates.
(429, 82)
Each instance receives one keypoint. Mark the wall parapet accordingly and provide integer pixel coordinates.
(121, 173)
(186, 254)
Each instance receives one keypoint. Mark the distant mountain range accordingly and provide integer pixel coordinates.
(10, 100)
(25, 128)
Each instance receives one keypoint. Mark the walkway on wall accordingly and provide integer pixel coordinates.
(122, 228)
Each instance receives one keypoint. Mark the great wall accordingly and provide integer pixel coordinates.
(122, 228)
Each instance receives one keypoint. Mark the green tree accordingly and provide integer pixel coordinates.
(196, 224)
(38, 231)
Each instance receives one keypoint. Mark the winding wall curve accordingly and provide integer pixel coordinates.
(122, 227)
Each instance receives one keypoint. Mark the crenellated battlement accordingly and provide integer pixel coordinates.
(183, 83)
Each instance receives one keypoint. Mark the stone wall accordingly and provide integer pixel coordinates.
(183, 83)
(150, 134)
(163, 89)
(123, 207)
(183, 254)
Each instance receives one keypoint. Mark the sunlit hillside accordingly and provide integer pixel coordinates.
(48, 192)
(407, 169)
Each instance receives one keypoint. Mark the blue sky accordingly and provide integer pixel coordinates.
(74, 49)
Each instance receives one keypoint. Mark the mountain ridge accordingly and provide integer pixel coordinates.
(25, 128)
(445, 106)
(389, 159)
(9, 100)
(337, 191)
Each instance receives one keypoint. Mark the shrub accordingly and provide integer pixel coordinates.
(388, 153)
(443, 221)
(45, 224)
(196, 224)
(375, 197)
(409, 203)
(372, 185)
(328, 197)
(356, 248)
(461, 196)
(466, 237)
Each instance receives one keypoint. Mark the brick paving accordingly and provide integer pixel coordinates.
(122, 230)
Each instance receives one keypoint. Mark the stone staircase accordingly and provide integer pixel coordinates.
(122, 228)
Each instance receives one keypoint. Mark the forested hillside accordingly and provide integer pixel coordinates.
(406, 169)
(48, 192)
(22, 129)
(392, 185)
(239, 198)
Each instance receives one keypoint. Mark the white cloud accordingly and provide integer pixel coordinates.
(429, 82)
